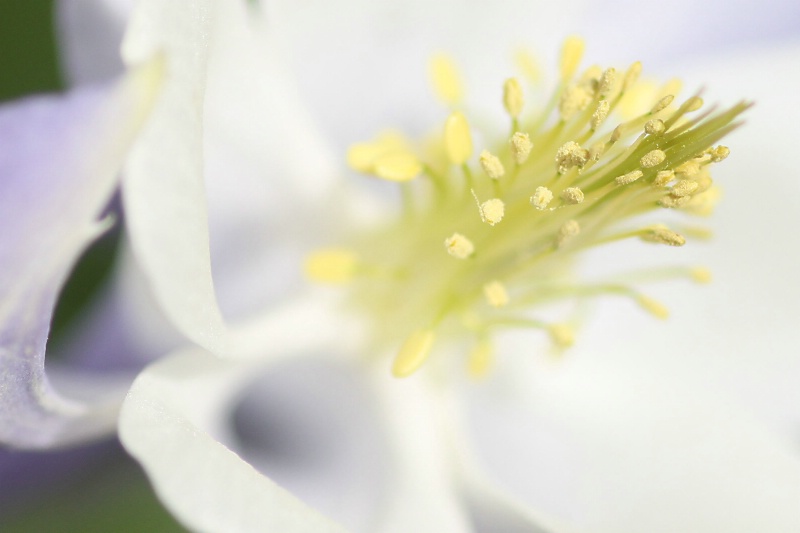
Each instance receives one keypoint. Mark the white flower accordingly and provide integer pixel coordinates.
(602, 409)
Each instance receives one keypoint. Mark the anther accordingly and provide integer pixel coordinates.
(600, 114)
(496, 294)
(663, 235)
(542, 196)
(567, 231)
(607, 81)
(413, 353)
(492, 211)
(700, 275)
(662, 104)
(663, 178)
(652, 159)
(571, 55)
(333, 265)
(684, 188)
(630, 177)
(654, 307)
(719, 153)
(491, 165)
(631, 76)
(561, 335)
(459, 246)
(654, 127)
(521, 146)
(457, 138)
(572, 195)
(446, 80)
(513, 97)
(480, 359)
(571, 154)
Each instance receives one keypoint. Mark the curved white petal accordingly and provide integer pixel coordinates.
(170, 422)
(90, 33)
(59, 163)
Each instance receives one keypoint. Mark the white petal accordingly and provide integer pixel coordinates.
(59, 163)
(163, 192)
(165, 424)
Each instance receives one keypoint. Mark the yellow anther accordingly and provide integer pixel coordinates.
(701, 204)
(480, 359)
(363, 156)
(513, 97)
(663, 235)
(701, 274)
(571, 55)
(413, 353)
(572, 195)
(630, 177)
(562, 335)
(575, 98)
(597, 150)
(459, 246)
(600, 114)
(719, 153)
(662, 104)
(542, 196)
(571, 154)
(631, 76)
(457, 138)
(398, 167)
(663, 178)
(607, 81)
(672, 202)
(567, 231)
(652, 159)
(492, 211)
(684, 188)
(332, 265)
(689, 169)
(693, 104)
(491, 165)
(654, 127)
(528, 65)
(496, 294)
(654, 307)
(446, 80)
(521, 147)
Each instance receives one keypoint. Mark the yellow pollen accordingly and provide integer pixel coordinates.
(719, 153)
(575, 98)
(413, 353)
(364, 156)
(561, 335)
(480, 359)
(398, 167)
(571, 55)
(654, 307)
(684, 188)
(457, 138)
(630, 177)
(607, 82)
(654, 127)
(513, 97)
(446, 80)
(652, 159)
(542, 196)
(701, 275)
(600, 114)
(572, 195)
(332, 265)
(672, 202)
(521, 146)
(567, 231)
(491, 165)
(492, 211)
(496, 294)
(459, 246)
(663, 178)
(571, 154)
(662, 104)
(663, 235)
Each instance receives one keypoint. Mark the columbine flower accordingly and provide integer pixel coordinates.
(177, 408)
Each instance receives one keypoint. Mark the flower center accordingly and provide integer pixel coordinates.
(480, 245)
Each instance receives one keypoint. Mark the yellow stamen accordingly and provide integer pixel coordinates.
(491, 165)
(572, 195)
(571, 55)
(398, 167)
(496, 294)
(630, 177)
(480, 359)
(413, 353)
(571, 154)
(652, 159)
(513, 97)
(492, 211)
(663, 235)
(521, 146)
(562, 335)
(332, 265)
(654, 307)
(446, 80)
(459, 246)
(457, 138)
(541, 197)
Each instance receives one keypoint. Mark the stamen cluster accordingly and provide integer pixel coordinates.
(482, 241)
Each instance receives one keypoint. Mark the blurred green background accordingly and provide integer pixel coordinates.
(97, 489)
